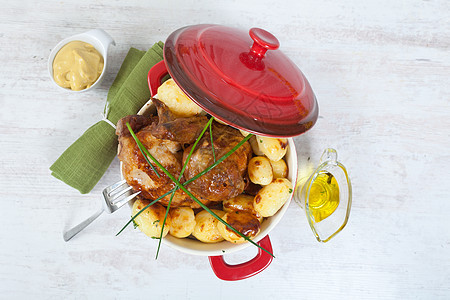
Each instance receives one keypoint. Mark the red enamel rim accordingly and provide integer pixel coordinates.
(242, 79)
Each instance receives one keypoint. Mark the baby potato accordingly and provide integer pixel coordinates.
(176, 100)
(241, 202)
(273, 148)
(205, 229)
(242, 221)
(279, 168)
(272, 197)
(254, 143)
(150, 220)
(182, 221)
(243, 132)
(220, 122)
(260, 171)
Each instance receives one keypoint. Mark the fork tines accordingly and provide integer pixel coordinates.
(114, 193)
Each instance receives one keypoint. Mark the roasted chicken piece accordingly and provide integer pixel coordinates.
(226, 180)
(137, 171)
(164, 136)
(170, 127)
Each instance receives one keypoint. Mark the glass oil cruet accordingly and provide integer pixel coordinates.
(326, 197)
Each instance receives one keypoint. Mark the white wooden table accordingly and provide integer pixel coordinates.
(380, 70)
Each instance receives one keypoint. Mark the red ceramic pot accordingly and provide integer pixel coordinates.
(243, 80)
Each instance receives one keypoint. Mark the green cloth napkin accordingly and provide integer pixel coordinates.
(86, 160)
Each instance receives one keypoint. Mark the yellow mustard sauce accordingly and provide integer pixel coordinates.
(77, 66)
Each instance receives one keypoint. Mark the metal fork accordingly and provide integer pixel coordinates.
(115, 196)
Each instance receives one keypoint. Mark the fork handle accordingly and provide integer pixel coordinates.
(75, 230)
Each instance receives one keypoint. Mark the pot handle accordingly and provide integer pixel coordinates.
(155, 75)
(248, 269)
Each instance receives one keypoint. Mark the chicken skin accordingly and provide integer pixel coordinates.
(137, 171)
(226, 180)
(184, 130)
(169, 139)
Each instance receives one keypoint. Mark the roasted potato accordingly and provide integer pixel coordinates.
(182, 221)
(260, 171)
(273, 148)
(272, 197)
(177, 101)
(279, 168)
(243, 132)
(220, 122)
(244, 222)
(241, 202)
(150, 220)
(205, 229)
(255, 147)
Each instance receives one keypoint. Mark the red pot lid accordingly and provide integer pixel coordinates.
(241, 79)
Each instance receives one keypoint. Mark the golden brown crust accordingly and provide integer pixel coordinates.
(244, 222)
(182, 130)
(138, 173)
(226, 180)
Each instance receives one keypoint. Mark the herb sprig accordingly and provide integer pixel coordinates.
(146, 158)
(182, 186)
(179, 178)
(186, 182)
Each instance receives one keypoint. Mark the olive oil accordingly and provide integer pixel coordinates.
(323, 196)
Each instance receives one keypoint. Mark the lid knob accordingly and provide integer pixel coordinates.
(230, 75)
(263, 41)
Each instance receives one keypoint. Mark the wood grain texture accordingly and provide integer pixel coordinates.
(380, 70)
